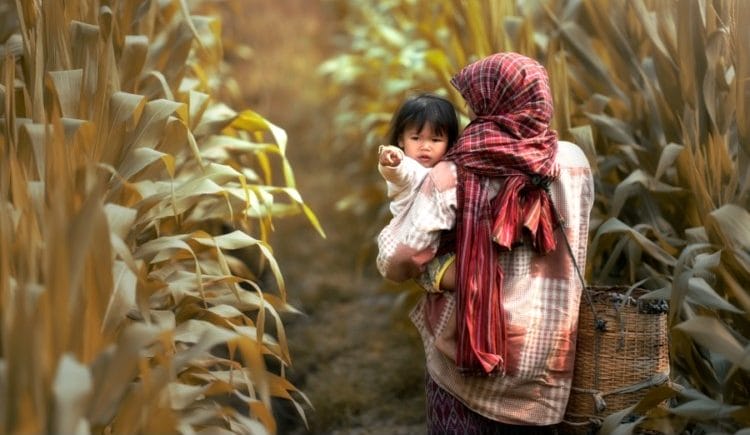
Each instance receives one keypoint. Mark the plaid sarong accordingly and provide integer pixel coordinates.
(510, 140)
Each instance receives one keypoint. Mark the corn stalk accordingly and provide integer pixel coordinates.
(133, 235)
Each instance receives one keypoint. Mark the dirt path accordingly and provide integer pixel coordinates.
(354, 354)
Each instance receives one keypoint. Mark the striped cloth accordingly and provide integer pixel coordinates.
(541, 295)
(509, 139)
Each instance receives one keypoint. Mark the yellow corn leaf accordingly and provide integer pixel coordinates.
(125, 108)
(243, 301)
(718, 82)
(256, 334)
(667, 158)
(167, 255)
(159, 245)
(278, 304)
(182, 395)
(263, 413)
(475, 17)
(57, 45)
(742, 65)
(734, 288)
(197, 104)
(151, 124)
(132, 60)
(705, 409)
(194, 148)
(140, 158)
(648, 20)
(13, 45)
(691, 49)
(120, 219)
(297, 198)
(701, 293)
(253, 122)
(89, 262)
(583, 136)
(615, 226)
(140, 404)
(252, 354)
(234, 240)
(730, 224)
(115, 371)
(188, 20)
(239, 423)
(438, 60)
(219, 147)
(247, 301)
(714, 335)
(215, 119)
(288, 173)
(221, 174)
(615, 129)
(634, 185)
(265, 167)
(226, 311)
(194, 331)
(32, 147)
(72, 389)
(122, 299)
(197, 187)
(707, 262)
(154, 84)
(581, 45)
(164, 320)
(612, 422)
(173, 143)
(66, 86)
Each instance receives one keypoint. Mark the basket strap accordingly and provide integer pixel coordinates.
(600, 324)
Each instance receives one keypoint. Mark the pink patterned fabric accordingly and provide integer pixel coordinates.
(509, 139)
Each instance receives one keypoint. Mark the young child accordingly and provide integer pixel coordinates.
(424, 129)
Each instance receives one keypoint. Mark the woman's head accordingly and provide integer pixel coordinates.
(506, 84)
(424, 118)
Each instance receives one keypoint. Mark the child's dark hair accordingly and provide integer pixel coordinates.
(421, 109)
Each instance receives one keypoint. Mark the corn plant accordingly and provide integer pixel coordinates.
(656, 93)
(133, 234)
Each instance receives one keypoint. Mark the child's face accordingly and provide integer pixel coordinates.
(426, 146)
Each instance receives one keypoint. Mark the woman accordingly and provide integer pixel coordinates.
(495, 201)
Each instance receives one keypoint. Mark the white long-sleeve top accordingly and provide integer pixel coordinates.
(402, 182)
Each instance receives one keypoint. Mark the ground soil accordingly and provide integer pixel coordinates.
(355, 355)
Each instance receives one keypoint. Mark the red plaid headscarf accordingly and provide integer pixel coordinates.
(509, 139)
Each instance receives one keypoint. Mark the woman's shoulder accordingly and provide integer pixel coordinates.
(571, 155)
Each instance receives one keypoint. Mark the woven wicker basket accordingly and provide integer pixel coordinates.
(616, 367)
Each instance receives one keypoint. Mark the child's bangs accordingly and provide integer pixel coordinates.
(432, 116)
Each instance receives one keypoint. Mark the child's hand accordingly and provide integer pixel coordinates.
(388, 155)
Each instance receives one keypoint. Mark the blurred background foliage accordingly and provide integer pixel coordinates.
(141, 254)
